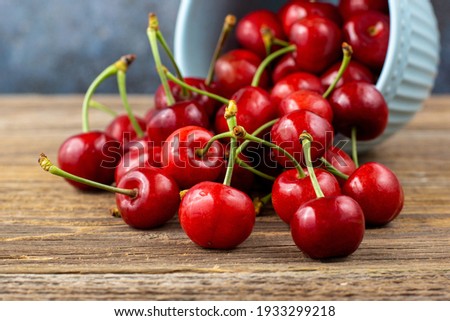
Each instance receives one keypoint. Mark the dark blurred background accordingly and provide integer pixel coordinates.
(59, 46)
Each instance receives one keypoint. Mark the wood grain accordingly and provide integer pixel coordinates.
(60, 244)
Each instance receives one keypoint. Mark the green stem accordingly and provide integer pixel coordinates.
(258, 131)
(47, 165)
(201, 152)
(99, 106)
(279, 42)
(348, 51)
(267, 61)
(230, 116)
(121, 82)
(306, 143)
(244, 165)
(355, 147)
(228, 24)
(153, 26)
(108, 72)
(193, 89)
(333, 170)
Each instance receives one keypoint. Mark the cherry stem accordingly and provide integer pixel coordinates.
(48, 166)
(202, 151)
(228, 25)
(121, 82)
(263, 65)
(267, 38)
(152, 30)
(108, 72)
(306, 140)
(230, 116)
(260, 202)
(258, 131)
(355, 147)
(99, 106)
(279, 42)
(333, 170)
(346, 58)
(246, 166)
(194, 89)
(240, 132)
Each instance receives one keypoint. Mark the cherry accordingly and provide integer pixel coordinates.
(354, 72)
(307, 100)
(360, 106)
(348, 8)
(368, 34)
(328, 227)
(378, 191)
(167, 120)
(248, 30)
(294, 82)
(208, 104)
(235, 69)
(156, 202)
(318, 41)
(341, 161)
(216, 216)
(296, 10)
(92, 155)
(181, 161)
(284, 67)
(121, 129)
(289, 191)
(287, 130)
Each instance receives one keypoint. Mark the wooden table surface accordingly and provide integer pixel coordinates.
(57, 243)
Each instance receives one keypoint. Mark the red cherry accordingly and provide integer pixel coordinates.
(156, 202)
(254, 109)
(91, 155)
(340, 160)
(360, 105)
(208, 104)
(122, 130)
(294, 82)
(354, 72)
(328, 227)
(180, 159)
(235, 69)
(216, 216)
(142, 153)
(368, 34)
(167, 120)
(307, 100)
(290, 192)
(318, 41)
(348, 8)
(296, 10)
(248, 30)
(285, 66)
(378, 191)
(287, 130)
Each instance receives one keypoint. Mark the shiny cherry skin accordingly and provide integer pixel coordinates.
(289, 191)
(341, 161)
(180, 159)
(142, 153)
(235, 69)
(378, 191)
(354, 72)
(294, 82)
(208, 104)
(368, 34)
(254, 109)
(156, 202)
(348, 8)
(328, 227)
(296, 10)
(285, 66)
(181, 114)
(121, 129)
(287, 130)
(318, 41)
(361, 105)
(248, 30)
(93, 155)
(216, 216)
(307, 100)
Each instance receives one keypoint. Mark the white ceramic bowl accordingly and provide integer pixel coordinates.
(408, 74)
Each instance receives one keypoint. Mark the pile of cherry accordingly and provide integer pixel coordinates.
(261, 125)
